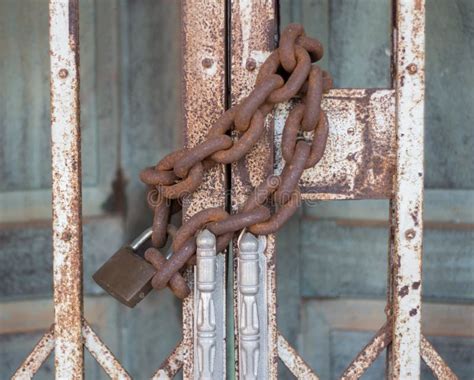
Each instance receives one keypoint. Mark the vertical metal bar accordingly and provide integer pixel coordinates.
(253, 37)
(252, 307)
(407, 228)
(203, 37)
(66, 173)
(209, 317)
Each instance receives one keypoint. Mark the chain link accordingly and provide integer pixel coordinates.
(287, 73)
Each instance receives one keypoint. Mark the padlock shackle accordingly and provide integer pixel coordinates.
(142, 238)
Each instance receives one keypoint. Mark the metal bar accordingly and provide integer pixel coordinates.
(407, 204)
(171, 366)
(103, 355)
(297, 366)
(36, 358)
(368, 354)
(359, 161)
(203, 37)
(252, 306)
(436, 363)
(209, 317)
(66, 173)
(253, 32)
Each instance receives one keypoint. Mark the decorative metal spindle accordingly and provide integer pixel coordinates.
(206, 313)
(249, 327)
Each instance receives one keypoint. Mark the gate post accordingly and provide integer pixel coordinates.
(407, 200)
(66, 181)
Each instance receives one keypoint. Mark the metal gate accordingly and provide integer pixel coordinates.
(224, 43)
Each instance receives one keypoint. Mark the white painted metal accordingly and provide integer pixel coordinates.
(252, 304)
(66, 173)
(209, 345)
(408, 190)
(36, 358)
(293, 361)
(103, 355)
(173, 363)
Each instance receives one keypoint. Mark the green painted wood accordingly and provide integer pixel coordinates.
(25, 159)
(351, 261)
(26, 256)
(150, 128)
(359, 43)
(449, 95)
(288, 284)
(24, 99)
(329, 350)
(440, 206)
(151, 76)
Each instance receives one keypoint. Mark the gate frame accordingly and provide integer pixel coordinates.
(205, 78)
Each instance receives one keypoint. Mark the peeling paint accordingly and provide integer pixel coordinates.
(297, 366)
(103, 355)
(66, 184)
(36, 358)
(203, 36)
(407, 215)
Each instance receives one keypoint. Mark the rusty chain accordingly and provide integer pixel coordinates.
(287, 73)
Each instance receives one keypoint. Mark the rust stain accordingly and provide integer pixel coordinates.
(403, 291)
(361, 127)
(203, 88)
(369, 353)
(37, 357)
(253, 34)
(298, 367)
(435, 362)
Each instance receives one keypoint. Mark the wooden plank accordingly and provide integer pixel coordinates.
(348, 260)
(150, 78)
(150, 127)
(439, 319)
(449, 96)
(342, 327)
(26, 262)
(359, 43)
(447, 207)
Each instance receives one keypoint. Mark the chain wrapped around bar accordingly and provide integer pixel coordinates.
(287, 73)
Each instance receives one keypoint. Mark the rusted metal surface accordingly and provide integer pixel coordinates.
(368, 354)
(253, 33)
(66, 181)
(203, 38)
(173, 363)
(407, 202)
(103, 355)
(436, 363)
(36, 358)
(297, 366)
(180, 173)
(359, 161)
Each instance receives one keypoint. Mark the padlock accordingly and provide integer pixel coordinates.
(127, 276)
